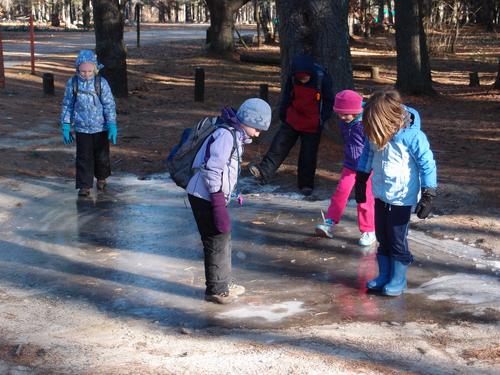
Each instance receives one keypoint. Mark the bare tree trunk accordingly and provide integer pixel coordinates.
(222, 22)
(414, 74)
(86, 14)
(318, 27)
(380, 11)
(108, 23)
(54, 14)
(389, 12)
(265, 20)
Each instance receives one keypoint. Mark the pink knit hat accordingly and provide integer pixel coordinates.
(348, 102)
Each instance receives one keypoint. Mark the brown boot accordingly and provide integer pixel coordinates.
(101, 184)
(226, 298)
(84, 192)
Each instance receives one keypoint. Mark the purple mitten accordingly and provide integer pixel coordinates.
(222, 220)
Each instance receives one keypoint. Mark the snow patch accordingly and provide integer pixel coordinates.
(271, 313)
(483, 291)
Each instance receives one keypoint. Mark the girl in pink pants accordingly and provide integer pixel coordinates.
(349, 107)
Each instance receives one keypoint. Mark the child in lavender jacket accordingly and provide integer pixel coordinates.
(217, 165)
(349, 107)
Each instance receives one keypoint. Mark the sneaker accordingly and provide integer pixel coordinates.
(226, 298)
(367, 238)
(325, 229)
(84, 192)
(306, 191)
(101, 184)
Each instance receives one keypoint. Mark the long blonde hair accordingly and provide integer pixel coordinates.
(383, 116)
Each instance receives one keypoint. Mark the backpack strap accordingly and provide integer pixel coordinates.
(74, 85)
(320, 74)
(235, 146)
(97, 86)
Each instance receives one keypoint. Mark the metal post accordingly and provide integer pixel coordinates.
(2, 72)
(199, 85)
(32, 44)
(264, 92)
(138, 16)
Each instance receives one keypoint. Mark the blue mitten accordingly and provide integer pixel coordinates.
(112, 133)
(222, 220)
(66, 132)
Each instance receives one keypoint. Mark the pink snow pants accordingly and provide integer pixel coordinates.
(338, 202)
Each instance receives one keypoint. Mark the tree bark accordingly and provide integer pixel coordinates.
(413, 66)
(265, 20)
(86, 14)
(221, 23)
(110, 49)
(318, 27)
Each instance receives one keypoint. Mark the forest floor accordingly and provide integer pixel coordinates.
(461, 122)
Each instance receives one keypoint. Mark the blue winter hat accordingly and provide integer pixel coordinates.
(87, 55)
(255, 113)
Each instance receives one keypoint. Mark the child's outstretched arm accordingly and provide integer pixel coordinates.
(285, 101)
(422, 153)
(68, 104)
(366, 158)
(363, 172)
(109, 110)
(108, 103)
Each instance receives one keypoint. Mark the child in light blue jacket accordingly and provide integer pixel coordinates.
(89, 107)
(404, 175)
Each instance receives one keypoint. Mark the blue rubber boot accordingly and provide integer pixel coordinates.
(397, 285)
(384, 274)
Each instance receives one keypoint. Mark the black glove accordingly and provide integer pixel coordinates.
(360, 186)
(424, 206)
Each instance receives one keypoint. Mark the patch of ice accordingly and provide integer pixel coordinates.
(271, 313)
(464, 288)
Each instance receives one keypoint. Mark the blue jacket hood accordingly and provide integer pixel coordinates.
(303, 63)
(414, 122)
(87, 56)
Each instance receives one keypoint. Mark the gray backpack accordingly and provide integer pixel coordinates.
(180, 159)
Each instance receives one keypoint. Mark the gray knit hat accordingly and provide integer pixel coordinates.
(255, 113)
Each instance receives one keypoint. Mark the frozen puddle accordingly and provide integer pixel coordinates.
(481, 291)
(272, 313)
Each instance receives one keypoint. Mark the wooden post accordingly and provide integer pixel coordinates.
(474, 79)
(264, 92)
(2, 72)
(375, 72)
(138, 16)
(199, 85)
(496, 85)
(32, 44)
(48, 83)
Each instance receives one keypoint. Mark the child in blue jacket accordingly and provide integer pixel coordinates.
(89, 106)
(404, 175)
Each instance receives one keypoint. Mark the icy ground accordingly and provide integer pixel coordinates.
(114, 284)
